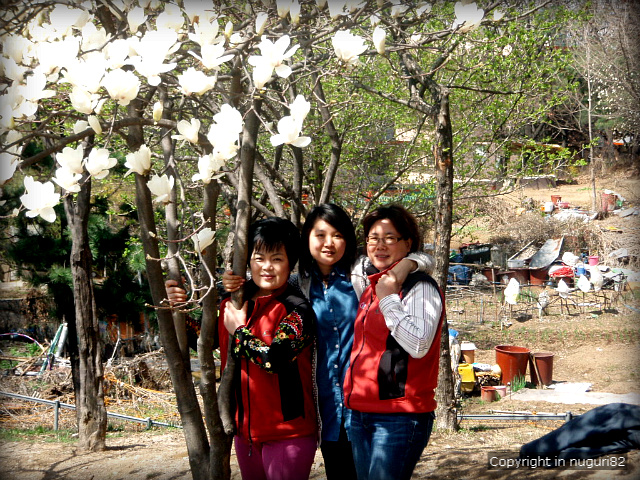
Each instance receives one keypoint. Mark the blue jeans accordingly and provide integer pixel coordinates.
(387, 446)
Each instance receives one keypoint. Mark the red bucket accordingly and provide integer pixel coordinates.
(512, 361)
(544, 364)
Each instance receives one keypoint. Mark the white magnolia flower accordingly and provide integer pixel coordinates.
(12, 69)
(379, 39)
(122, 86)
(34, 88)
(116, 53)
(188, 130)
(87, 73)
(294, 12)
(300, 108)
(468, 16)
(15, 46)
(135, 18)
(63, 18)
(497, 15)
(199, 13)
(261, 22)
(171, 18)
(157, 111)
(52, 56)
(39, 199)
(93, 38)
(397, 9)
(229, 118)
(139, 161)
(161, 187)
(152, 50)
(348, 47)
(336, 8)
(8, 165)
(206, 33)
(71, 159)
(273, 54)
(83, 101)
(212, 56)
(289, 132)
(228, 30)
(283, 7)
(80, 126)
(203, 239)
(353, 5)
(375, 20)
(208, 165)
(95, 124)
(98, 163)
(195, 81)
(506, 51)
(423, 7)
(261, 74)
(224, 132)
(67, 179)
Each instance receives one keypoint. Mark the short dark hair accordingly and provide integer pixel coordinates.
(338, 219)
(272, 233)
(403, 221)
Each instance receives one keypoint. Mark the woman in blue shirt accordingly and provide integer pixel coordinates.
(328, 277)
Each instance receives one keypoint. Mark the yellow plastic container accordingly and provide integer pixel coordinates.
(467, 377)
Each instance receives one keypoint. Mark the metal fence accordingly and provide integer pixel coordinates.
(57, 405)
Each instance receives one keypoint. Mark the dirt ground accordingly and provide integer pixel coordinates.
(590, 345)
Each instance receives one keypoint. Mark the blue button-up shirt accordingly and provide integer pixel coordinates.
(335, 306)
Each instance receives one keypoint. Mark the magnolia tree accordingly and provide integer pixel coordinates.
(196, 100)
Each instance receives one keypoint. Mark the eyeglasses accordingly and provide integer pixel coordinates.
(388, 240)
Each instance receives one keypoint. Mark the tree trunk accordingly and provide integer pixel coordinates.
(240, 251)
(194, 430)
(171, 215)
(90, 409)
(443, 152)
(220, 456)
(336, 143)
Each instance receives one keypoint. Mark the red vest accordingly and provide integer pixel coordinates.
(382, 376)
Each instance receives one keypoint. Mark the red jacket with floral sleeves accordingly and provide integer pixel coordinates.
(274, 366)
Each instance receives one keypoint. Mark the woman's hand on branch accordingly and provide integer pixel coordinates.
(231, 282)
(175, 294)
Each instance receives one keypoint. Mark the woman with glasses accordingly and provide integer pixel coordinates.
(332, 284)
(393, 372)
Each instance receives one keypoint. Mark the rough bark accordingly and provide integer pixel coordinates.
(240, 250)
(194, 430)
(171, 215)
(90, 408)
(220, 456)
(443, 153)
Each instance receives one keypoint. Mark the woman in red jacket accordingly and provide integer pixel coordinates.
(393, 372)
(273, 335)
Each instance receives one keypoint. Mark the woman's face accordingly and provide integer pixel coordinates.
(269, 270)
(382, 254)
(326, 244)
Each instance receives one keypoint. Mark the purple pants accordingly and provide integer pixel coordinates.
(289, 459)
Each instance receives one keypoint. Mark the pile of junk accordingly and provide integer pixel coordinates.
(485, 264)
(506, 375)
